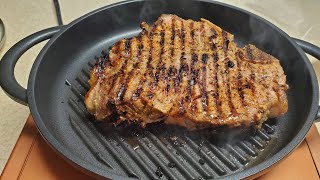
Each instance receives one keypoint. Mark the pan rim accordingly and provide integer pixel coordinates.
(66, 154)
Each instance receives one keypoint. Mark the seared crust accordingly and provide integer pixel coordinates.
(186, 73)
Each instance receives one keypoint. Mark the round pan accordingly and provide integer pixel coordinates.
(57, 83)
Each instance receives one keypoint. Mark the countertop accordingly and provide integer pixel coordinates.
(21, 18)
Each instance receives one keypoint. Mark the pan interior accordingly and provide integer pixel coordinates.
(161, 151)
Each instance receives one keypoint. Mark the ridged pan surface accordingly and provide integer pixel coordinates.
(58, 83)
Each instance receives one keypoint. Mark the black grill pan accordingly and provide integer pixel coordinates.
(58, 82)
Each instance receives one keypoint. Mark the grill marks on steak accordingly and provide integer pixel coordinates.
(188, 73)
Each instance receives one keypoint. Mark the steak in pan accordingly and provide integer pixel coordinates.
(186, 73)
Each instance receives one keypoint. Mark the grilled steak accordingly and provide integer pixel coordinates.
(186, 73)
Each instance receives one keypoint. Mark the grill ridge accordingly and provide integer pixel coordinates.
(136, 158)
(243, 160)
(217, 152)
(263, 135)
(247, 149)
(93, 148)
(124, 164)
(195, 164)
(86, 73)
(256, 142)
(77, 109)
(157, 161)
(213, 164)
(77, 92)
(83, 83)
(185, 171)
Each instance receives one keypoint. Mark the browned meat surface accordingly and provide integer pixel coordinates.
(186, 73)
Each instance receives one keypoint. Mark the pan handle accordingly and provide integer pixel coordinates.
(314, 51)
(8, 81)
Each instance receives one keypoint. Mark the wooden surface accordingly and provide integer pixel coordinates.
(33, 159)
